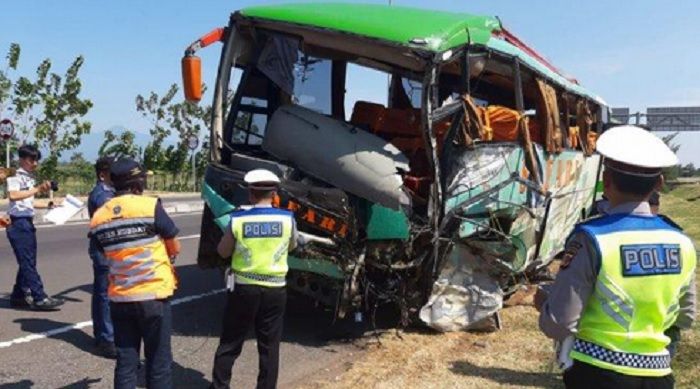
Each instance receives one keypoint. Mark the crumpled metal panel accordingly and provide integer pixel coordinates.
(339, 154)
(463, 296)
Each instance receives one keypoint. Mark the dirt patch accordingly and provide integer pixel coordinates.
(516, 357)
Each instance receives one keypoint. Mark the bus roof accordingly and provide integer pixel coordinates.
(400, 25)
(435, 31)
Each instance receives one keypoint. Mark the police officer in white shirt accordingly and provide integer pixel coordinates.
(28, 291)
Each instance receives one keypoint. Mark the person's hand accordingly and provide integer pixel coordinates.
(44, 186)
(5, 221)
(540, 297)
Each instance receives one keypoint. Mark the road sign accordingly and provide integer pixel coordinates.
(620, 115)
(7, 129)
(674, 118)
(192, 142)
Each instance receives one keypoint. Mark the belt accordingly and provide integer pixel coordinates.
(21, 217)
(262, 277)
(619, 358)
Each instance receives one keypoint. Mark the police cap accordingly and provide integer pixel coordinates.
(126, 171)
(261, 179)
(635, 151)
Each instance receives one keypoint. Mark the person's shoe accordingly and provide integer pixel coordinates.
(23, 302)
(47, 304)
(107, 350)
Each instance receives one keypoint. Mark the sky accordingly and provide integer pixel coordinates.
(633, 54)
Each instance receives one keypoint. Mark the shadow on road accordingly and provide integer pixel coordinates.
(24, 384)
(78, 339)
(507, 376)
(64, 294)
(85, 383)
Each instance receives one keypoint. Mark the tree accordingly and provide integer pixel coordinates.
(155, 109)
(183, 119)
(688, 170)
(672, 172)
(5, 80)
(6, 92)
(50, 110)
(76, 174)
(119, 146)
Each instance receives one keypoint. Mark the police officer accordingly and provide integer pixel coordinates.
(139, 241)
(101, 320)
(257, 240)
(626, 277)
(28, 291)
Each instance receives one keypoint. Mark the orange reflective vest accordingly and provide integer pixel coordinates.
(139, 267)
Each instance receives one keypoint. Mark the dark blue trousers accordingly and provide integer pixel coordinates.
(101, 319)
(150, 322)
(22, 236)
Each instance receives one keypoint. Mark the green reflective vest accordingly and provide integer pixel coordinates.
(646, 266)
(262, 241)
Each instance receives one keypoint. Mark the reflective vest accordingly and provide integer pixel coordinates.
(262, 241)
(646, 266)
(139, 267)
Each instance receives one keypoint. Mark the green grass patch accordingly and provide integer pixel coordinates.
(682, 205)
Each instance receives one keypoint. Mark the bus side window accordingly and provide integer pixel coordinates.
(249, 126)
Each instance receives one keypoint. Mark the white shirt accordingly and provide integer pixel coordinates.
(22, 180)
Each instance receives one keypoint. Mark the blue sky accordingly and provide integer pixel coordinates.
(635, 54)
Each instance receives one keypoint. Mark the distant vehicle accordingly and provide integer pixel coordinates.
(442, 199)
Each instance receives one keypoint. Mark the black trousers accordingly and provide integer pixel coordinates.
(263, 308)
(584, 376)
(150, 322)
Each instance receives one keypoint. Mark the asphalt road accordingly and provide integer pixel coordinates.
(312, 347)
(166, 200)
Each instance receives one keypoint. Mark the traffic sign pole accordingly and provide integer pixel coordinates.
(193, 143)
(7, 129)
(194, 174)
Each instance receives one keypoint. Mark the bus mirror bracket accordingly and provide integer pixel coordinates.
(192, 65)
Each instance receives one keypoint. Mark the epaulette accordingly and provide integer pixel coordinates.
(669, 221)
(593, 219)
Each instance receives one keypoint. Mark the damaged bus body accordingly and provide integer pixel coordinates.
(443, 199)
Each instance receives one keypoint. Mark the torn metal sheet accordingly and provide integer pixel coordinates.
(464, 294)
(504, 227)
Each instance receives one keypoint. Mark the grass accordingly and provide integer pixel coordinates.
(515, 357)
(683, 206)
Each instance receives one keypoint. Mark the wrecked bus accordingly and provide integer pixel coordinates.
(442, 199)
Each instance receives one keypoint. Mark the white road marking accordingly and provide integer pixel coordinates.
(83, 223)
(85, 324)
(195, 236)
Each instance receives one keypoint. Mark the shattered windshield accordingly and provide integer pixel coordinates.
(312, 79)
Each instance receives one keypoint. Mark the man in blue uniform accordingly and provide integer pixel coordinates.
(627, 276)
(101, 320)
(28, 291)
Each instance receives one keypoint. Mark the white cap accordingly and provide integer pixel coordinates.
(637, 147)
(261, 178)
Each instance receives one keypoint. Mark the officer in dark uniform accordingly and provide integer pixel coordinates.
(627, 277)
(101, 320)
(138, 239)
